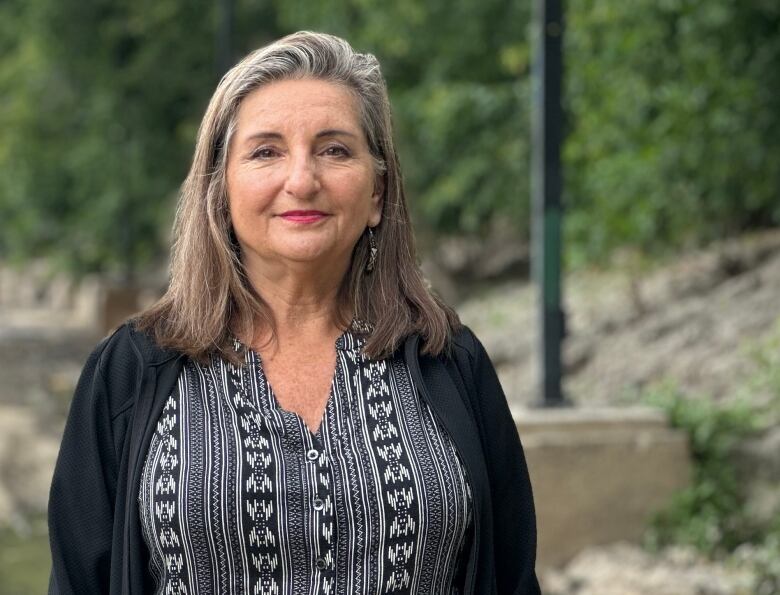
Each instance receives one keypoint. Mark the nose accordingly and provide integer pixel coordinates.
(302, 177)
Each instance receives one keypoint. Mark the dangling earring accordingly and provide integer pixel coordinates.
(372, 251)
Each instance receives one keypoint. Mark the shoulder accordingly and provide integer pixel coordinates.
(118, 364)
(464, 339)
(477, 370)
(463, 347)
(468, 349)
(128, 345)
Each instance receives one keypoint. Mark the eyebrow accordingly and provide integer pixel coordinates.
(320, 134)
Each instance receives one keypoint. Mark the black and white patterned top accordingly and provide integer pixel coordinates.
(238, 496)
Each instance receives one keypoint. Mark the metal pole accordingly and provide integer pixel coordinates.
(224, 37)
(546, 192)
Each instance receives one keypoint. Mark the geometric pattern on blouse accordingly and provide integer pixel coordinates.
(238, 496)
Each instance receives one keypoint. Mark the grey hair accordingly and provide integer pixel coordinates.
(201, 313)
(317, 56)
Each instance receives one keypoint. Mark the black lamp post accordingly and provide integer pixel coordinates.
(224, 36)
(547, 210)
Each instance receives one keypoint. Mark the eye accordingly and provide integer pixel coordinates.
(264, 152)
(336, 151)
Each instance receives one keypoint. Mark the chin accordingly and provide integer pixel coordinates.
(304, 254)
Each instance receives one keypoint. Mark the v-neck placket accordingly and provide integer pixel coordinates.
(314, 453)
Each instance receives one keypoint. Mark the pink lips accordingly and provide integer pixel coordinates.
(303, 216)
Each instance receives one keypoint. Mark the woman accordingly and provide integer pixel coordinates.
(298, 414)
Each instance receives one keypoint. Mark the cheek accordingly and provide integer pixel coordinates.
(358, 189)
(242, 210)
(248, 193)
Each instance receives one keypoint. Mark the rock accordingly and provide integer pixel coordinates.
(759, 456)
(624, 569)
(471, 261)
(697, 321)
(757, 463)
(441, 281)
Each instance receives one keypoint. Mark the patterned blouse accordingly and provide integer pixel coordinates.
(238, 496)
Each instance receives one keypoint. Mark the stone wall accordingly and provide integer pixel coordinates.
(599, 474)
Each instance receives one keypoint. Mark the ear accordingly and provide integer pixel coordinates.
(377, 201)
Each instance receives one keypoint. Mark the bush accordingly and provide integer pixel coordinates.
(709, 514)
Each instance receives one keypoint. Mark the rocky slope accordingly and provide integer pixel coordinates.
(693, 321)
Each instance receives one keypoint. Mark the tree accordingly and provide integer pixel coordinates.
(105, 96)
(673, 116)
(674, 122)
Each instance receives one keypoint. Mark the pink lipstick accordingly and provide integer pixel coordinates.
(303, 216)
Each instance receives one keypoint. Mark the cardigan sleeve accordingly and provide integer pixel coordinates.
(83, 490)
(514, 519)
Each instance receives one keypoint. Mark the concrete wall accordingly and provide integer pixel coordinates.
(599, 474)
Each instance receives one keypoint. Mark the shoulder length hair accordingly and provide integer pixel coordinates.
(209, 299)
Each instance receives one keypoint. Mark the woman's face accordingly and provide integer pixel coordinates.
(301, 182)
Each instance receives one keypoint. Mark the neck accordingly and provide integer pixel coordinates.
(303, 302)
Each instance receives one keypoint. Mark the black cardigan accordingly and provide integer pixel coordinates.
(94, 524)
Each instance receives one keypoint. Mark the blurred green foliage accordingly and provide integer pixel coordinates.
(708, 515)
(675, 133)
(98, 125)
(673, 116)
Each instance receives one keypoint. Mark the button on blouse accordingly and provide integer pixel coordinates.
(238, 496)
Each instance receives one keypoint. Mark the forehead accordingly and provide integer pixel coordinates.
(292, 104)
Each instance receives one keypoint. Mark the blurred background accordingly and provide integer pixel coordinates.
(671, 238)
